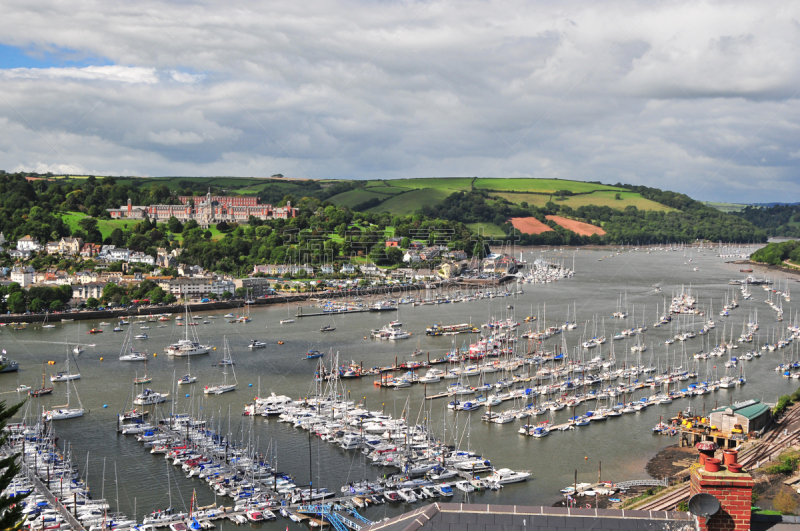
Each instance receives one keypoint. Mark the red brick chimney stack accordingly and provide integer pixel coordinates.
(732, 486)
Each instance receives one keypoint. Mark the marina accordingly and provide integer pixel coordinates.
(549, 383)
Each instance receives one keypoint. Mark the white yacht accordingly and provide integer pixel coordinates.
(227, 360)
(186, 346)
(254, 343)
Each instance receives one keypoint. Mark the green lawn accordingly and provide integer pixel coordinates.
(486, 229)
(539, 185)
(106, 226)
(411, 201)
(602, 198)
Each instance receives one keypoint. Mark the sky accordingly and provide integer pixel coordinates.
(691, 96)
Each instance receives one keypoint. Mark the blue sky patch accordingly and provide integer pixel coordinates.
(16, 57)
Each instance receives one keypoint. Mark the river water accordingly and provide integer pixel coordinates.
(623, 444)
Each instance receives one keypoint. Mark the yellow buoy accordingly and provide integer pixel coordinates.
(101, 359)
(155, 354)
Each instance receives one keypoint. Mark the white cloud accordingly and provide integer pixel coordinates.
(698, 97)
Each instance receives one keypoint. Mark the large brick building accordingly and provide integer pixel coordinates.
(206, 210)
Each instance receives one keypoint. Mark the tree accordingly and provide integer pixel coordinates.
(222, 226)
(618, 197)
(10, 508)
(92, 303)
(56, 306)
(207, 235)
(174, 225)
(227, 294)
(241, 293)
(16, 302)
(169, 298)
(785, 501)
(125, 300)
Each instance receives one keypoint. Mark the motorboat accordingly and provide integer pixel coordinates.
(149, 397)
(254, 343)
(506, 475)
(140, 336)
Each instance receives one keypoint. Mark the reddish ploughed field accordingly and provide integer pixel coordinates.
(584, 229)
(529, 225)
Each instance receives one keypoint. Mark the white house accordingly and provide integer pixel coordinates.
(20, 255)
(28, 244)
(348, 269)
(141, 258)
(117, 255)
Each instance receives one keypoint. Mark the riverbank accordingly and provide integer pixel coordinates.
(763, 268)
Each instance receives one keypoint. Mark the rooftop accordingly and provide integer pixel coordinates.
(749, 408)
(459, 516)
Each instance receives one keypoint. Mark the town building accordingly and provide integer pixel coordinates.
(206, 210)
(22, 275)
(393, 242)
(92, 290)
(751, 415)
(187, 287)
(255, 286)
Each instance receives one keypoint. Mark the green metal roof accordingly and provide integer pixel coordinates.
(749, 409)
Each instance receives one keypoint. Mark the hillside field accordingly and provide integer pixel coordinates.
(411, 201)
(599, 198)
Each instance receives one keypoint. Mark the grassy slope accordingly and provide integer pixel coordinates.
(411, 201)
(107, 226)
(596, 198)
(487, 229)
(726, 207)
(453, 184)
(539, 185)
(354, 197)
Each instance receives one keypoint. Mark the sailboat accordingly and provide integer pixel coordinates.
(64, 412)
(44, 390)
(45, 324)
(227, 360)
(144, 379)
(186, 346)
(187, 378)
(66, 375)
(288, 316)
(127, 353)
(78, 349)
